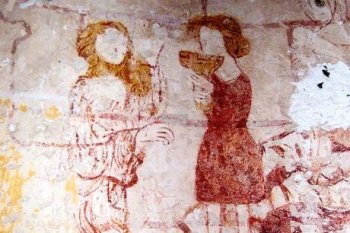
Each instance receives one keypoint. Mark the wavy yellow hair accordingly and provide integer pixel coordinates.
(134, 72)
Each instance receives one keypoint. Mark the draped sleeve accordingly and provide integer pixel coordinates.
(103, 144)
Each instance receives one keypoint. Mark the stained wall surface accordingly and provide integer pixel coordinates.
(174, 116)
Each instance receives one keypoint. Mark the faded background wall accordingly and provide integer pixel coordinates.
(39, 65)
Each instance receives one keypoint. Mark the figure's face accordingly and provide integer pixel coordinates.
(212, 41)
(112, 46)
(213, 44)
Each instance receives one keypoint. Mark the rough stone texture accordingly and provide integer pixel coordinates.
(41, 137)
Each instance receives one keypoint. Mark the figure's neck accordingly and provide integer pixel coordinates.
(229, 70)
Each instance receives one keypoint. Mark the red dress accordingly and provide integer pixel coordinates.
(229, 166)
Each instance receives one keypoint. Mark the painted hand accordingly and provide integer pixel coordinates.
(154, 133)
(202, 89)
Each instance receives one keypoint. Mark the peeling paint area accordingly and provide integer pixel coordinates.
(322, 99)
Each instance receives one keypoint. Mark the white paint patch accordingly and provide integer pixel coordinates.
(320, 101)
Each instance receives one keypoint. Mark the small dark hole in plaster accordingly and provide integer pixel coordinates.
(320, 3)
(348, 95)
(326, 73)
(320, 85)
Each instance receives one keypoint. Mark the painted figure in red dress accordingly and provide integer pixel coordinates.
(229, 166)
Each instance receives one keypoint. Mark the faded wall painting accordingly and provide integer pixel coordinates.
(119, 103)
(174, 116)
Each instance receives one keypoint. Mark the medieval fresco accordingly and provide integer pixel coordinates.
(174, 116)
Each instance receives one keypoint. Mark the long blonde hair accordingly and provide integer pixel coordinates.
(134, 72)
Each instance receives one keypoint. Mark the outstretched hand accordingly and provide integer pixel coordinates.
(154, 133)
